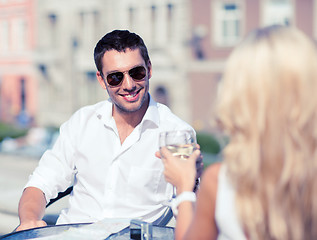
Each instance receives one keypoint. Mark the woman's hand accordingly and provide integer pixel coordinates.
(181, 173)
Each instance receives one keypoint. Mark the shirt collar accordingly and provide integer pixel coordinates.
(151, 115)
(104, 111)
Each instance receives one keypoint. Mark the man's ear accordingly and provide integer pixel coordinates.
(149, 68)
(101, 80)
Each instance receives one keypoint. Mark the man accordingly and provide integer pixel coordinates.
(107, 151)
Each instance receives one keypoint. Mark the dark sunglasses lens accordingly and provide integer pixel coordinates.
(114, 79)
(138, 73)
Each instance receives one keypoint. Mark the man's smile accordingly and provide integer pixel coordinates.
(132, 96)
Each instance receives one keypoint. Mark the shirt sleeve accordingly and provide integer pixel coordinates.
(56, 168)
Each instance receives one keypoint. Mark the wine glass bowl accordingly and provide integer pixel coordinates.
(181, 143)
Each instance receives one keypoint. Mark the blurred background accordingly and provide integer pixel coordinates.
(47, 69)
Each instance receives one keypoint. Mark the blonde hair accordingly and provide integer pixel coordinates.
(268, 104)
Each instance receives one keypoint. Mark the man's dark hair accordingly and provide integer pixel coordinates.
(119, 40)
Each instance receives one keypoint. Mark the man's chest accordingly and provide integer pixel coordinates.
(104, 155)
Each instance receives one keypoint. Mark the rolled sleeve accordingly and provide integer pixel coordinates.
(55, 171)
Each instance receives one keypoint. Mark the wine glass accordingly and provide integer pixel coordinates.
(181, 143)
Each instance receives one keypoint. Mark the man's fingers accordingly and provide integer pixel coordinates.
(30, 225)
(165, 153)
(195, 155)
(158, 154)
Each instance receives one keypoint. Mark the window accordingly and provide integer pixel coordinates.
(43, 70)
(161, 95)
(91, 76)
(227, 16)
(90, 24)
(52, 19)
(4, 35)
(132, 17)
(170, 21)
(153, 23)
(20, 38)
(23, 94)
(277, 12)
(96, 17)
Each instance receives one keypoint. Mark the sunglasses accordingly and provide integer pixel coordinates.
(137, 74)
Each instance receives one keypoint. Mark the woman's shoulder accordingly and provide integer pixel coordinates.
(212, 171)
(209, 179)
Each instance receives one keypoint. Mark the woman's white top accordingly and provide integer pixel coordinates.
(226, 215)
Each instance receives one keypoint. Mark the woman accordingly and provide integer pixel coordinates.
(266, 187)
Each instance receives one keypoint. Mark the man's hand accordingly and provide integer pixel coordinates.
(31, 209)
(31, 224)
(199, 164)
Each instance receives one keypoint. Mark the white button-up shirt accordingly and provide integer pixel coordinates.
(110, 179)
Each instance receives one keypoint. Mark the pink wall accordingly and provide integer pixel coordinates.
(18, 64)
(304, 15)
(204, 84)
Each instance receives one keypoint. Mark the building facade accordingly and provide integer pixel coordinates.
(68, 32)
(52, 74)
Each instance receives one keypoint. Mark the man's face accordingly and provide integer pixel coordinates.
(130, 95)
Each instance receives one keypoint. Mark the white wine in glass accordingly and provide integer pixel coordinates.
(182, 151)
(180, 143)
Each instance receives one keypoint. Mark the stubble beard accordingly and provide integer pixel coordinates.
(125, 110)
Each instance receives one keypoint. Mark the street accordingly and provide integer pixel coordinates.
(14, 173)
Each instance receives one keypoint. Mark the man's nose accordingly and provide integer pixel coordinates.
(128, 82)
